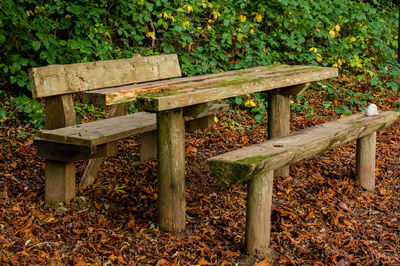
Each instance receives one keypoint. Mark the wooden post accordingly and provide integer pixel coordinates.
(60, 176)
(258, 220)
(366, 148)
(279, 121)
(171, 169)
(93, 166)
(148, 145)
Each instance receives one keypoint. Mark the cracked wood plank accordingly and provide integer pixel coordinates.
(177, 96)
(127, 93)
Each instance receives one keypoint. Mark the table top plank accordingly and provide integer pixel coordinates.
(127, 93)
(175, 96)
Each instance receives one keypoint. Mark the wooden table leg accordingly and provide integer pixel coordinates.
(279, 121)
(171, 169)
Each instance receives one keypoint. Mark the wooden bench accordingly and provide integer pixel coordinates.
(256, 163)
(147, 80)
(63, 142)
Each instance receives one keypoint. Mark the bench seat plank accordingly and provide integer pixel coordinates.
(108, 130)
(179, 96)
(131, 92)
(246, 163)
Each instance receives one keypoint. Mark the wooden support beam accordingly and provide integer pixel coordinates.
(93, 166)
(148, 145)
(171, 169)
(279, 121)
(199, 123)
(60, 181)
(65, 155)
(366, 150)
(195, 111)
(59, 111)
(258, 218)
(60, 175)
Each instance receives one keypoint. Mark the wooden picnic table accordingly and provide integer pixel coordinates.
(172, 99)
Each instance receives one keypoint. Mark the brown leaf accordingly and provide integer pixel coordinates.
(203, 262)
(121, 259)
(78, 231)
(230, 254)
(162, 262)
(263, 263)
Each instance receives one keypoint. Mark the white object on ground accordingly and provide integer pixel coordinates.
(371, 110)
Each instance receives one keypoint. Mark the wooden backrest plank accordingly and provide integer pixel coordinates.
(244, 164)
(62, 79)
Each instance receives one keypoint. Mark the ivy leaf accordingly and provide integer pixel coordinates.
(3, 113)
(36, 45)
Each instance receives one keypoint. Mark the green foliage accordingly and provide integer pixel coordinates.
(23, 107)
(208, 35)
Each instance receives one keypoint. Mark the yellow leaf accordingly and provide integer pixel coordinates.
(259, 18)
(188, 8)
(151, 34)
(215, 119)
(313, 49)
(319, 58)
(250, 102)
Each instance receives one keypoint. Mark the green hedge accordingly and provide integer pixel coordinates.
(209, 36)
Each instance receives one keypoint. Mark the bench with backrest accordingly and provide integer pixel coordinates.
(148, 80)
(63, 142)
(256, 163)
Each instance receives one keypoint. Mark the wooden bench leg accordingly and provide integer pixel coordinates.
(279, 121)
(60, 181)
(366, 149)
(171, 169)
(258, 220)
(148, 145)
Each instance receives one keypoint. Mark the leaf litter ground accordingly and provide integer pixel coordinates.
(320, 215)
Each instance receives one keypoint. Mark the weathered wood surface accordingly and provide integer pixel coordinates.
(244, 164)
(60, 175)
(108, 130)
(60, 181)
(365, 164)
(192, 84)
(127, 93)
(68, 155)
(148, 146)
(59, 111)
(258, 217)
(279, 121)
(192, 93)
(171, 169)
(62, 79)
(94, 164)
